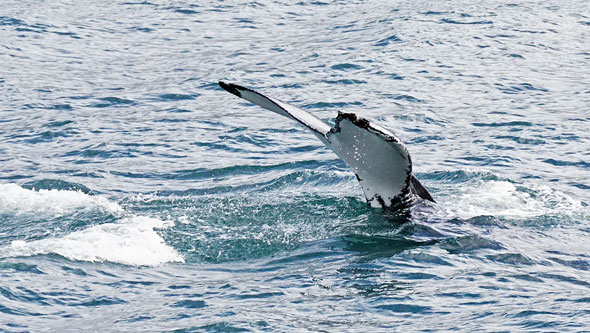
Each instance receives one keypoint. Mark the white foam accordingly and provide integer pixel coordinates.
(17, 200)
(502, 198)
(132, 241)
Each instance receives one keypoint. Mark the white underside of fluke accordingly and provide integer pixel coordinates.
(379, 159)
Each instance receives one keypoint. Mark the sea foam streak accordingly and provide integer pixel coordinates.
(130, 241)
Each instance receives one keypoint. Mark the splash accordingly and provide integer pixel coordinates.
(505, 199)
(133, 241)
(20, 201)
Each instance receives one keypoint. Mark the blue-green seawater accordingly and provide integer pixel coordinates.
(136, 195)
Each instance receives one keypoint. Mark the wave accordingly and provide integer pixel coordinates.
(17, 200)
(505, 199)
(130, 240)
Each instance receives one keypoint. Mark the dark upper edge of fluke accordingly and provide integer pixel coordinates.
(230, 87)
(358, 121)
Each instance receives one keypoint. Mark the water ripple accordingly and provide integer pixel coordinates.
(131, 180)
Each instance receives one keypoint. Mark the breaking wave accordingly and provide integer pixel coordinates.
(130, 240)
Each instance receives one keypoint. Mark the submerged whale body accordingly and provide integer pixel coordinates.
(379, 159)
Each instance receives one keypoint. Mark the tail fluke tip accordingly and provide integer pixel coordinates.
(230, 87)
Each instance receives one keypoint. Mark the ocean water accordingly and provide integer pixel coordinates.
(136, 195)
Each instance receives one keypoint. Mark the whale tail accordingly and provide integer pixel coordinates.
(379, 159)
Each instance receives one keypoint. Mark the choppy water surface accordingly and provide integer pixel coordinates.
(137, 195)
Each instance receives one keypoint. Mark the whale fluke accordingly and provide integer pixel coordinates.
(379, 159)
